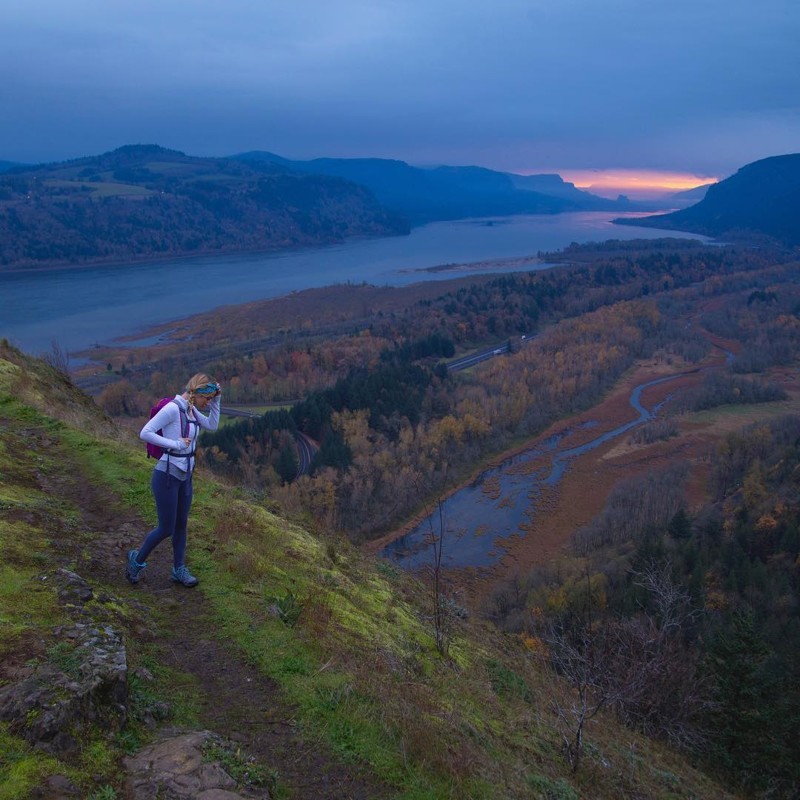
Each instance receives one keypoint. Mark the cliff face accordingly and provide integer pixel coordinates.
(762, 198)
(145, 202)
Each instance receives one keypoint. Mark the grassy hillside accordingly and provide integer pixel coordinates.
(321, 666)
(145, 201)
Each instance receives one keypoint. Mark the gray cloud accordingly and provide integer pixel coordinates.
(703, 85)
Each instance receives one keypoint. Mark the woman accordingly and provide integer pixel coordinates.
(175, 428)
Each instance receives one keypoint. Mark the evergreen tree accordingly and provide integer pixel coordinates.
(744, 721)
(680, 526)
(287, 464)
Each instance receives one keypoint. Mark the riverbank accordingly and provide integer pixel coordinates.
(81, 306)
(494, 264)
(181, 256)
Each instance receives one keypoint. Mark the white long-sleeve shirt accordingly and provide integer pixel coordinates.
(170, 421)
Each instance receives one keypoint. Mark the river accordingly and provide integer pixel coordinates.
(81, 307)
(478, 517)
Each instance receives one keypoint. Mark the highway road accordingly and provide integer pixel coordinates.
(237, 412)
(465, 362)
(306, 448)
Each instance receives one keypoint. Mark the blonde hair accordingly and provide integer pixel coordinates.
(200, 379)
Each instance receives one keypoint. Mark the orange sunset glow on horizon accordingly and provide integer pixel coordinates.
(634, 182)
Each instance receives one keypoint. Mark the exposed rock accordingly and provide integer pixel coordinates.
(72, 588)
(56, 787)
(176, 769)
(84, 681)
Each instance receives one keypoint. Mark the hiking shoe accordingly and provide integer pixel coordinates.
(184, 577)
(133, 567)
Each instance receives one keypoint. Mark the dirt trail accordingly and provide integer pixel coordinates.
(236, 701)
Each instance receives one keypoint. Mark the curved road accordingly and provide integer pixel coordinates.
(306, 447)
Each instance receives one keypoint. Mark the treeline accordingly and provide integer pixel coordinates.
(254, 447)
(264, 361)
(655, 430)
(436, 345)
(766, 320)
(391, 392)
(394, 390)
(723, 388)
(519, 303)
(147, 201)
(688, 627)
(635, 509)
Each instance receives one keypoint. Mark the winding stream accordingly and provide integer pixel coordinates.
(478, 517)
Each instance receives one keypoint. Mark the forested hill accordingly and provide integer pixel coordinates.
(451, 192)
(762, 198)
(144, 201)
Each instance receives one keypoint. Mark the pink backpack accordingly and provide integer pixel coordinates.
(153, 450)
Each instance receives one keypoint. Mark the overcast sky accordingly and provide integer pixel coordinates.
(686, 86)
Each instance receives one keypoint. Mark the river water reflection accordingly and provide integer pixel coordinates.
(478, 517)
(79, 308)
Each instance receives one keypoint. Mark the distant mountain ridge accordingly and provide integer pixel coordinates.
(762, 199)
(145, 201)
(694, 195)
(554, 185)
(448, 192)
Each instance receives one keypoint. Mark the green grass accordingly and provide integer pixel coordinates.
(105, 792)
(171, 694)
(544, 788)
(246, 772)
(351, 722)
(27, 603)
(21, 768)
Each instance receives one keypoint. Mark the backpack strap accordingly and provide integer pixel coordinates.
(184, 418)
